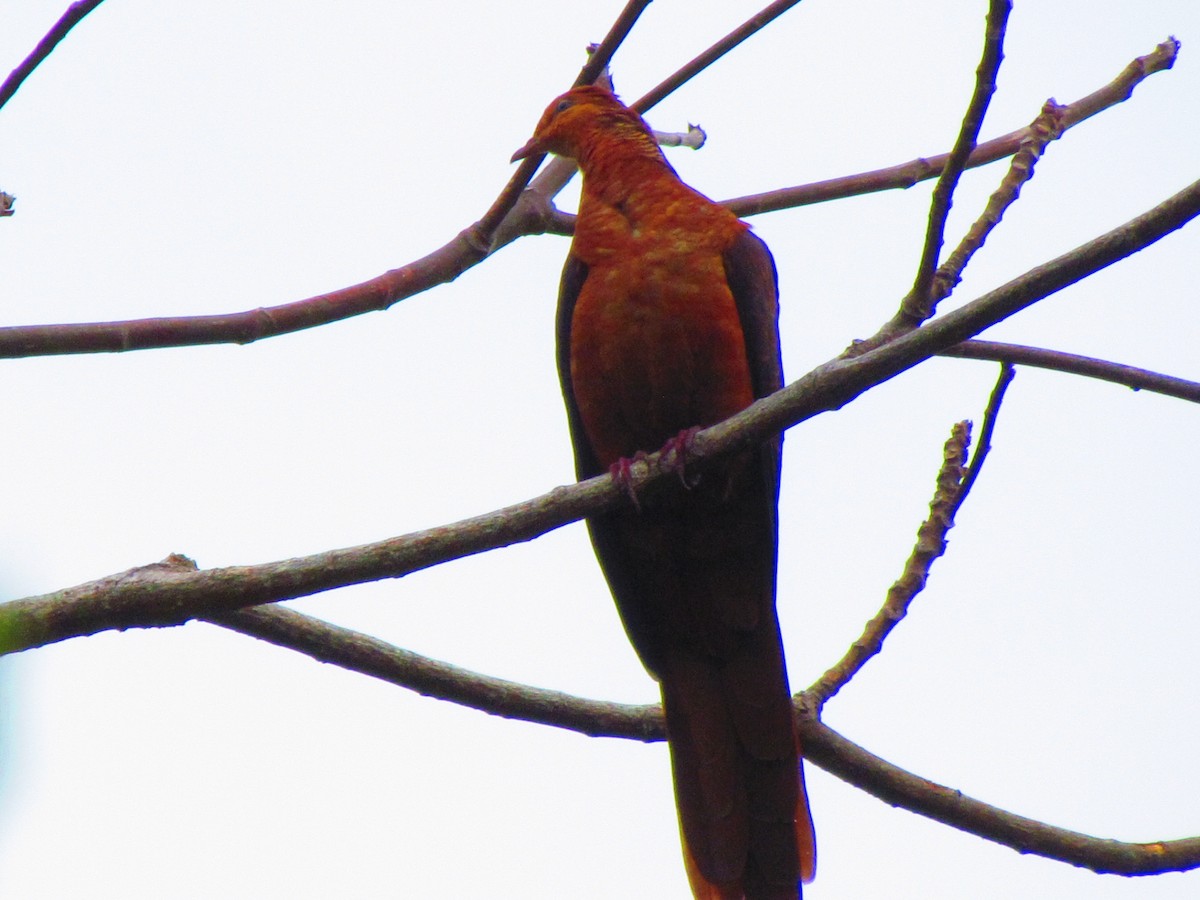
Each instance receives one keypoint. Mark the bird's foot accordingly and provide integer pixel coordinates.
(674, 454)
(622, 473)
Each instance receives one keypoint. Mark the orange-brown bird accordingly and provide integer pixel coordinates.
(668, 321)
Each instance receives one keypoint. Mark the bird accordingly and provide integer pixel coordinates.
(667, 322)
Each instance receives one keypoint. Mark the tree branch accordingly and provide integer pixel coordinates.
(984, 446)
(918, 305)
(823, 746)
(896, 787)
(467, 249)
(931, 543)
(1058, 361)
(923, 168)
(507, 215)
(602, 55)
(954, 483)
(1045, 128)
(358, 652)
(68, 20)
(151, 597)
(690, 70)
(474, 244)
(538, 214)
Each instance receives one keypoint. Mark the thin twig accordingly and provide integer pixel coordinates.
(132, 599)
(690, 70)
(68, 20)
(896, 787)
(984, 445)
(910, 173)
(823, 746)
(464, 251)
(1045, 128)
(1089, 367)
(917, 306)
(602, 54)
(931, 543)
(483, 232)
(901, 177)
(538, 213)
(1049, 125)
(954, 483)
(358, 652)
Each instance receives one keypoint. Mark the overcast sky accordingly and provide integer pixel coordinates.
(176, 159)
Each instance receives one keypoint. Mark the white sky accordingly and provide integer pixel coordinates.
(178, 159)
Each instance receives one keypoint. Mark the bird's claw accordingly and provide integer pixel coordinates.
(671, 458)
(622, 473)
(674, 454)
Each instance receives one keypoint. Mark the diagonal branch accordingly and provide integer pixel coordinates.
(1058, 361)
(690, 70)
(917, 307)
(473, 245)
(896, 787)
(1031, 140)
(823, 746)
(442, 265)
(68, 20)
(468, 248)
(984, 446)
(153, 597)
(1045, 128)
(502, 213)
(954, 483)
(931, 543)
(538, 213)
(358, 652)
(602, 55)
(908, 174)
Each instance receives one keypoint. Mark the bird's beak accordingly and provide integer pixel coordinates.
(532, 146)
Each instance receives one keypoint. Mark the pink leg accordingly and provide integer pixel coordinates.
(675, 453)
(622, 473)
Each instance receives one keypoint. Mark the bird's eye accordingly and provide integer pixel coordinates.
(564, 104)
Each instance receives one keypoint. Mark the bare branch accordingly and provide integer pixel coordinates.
(686, 73)
(954, 483)
(444, 264)
(72, 17)
(823, 746)
(1057, 360)
(468, 248)
(369, 655)
(917, 306)
(1031, 140)
(896, 787)
(908, 174)
(1045, 128)
(602, 55)
(538, 213)
(984, 446)
(931, 543)
(131, 600)
(505, 215)
(473, 245)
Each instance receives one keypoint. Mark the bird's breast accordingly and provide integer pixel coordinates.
(656, 344)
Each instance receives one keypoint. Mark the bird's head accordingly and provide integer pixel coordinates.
(578, 117)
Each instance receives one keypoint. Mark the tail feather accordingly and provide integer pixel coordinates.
(738, 785)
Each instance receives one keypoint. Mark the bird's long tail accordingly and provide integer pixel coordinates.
(739, 784)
